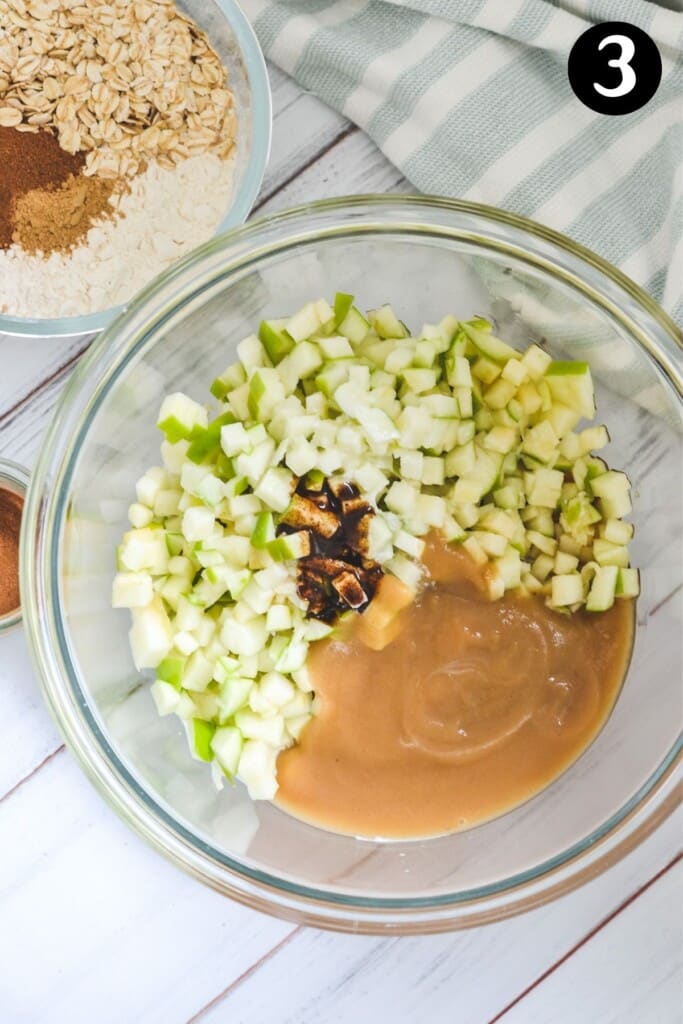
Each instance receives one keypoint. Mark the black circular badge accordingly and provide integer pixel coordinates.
(614, 68)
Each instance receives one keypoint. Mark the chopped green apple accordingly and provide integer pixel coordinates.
(490, 346)
(226, 746)
(233, 377)
(205, 443)
(265, 393)
(171, 670)
(571, 383)
(151, 635)
(202, 735)
(304, 323)
(386, 323)
(613, 491)
(132, 590)
(451, 430)
(179, 416)
(603, 589)
(275, 339)
(354, 326)
(257, 769)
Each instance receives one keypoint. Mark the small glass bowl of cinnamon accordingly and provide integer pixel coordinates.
(13, 485)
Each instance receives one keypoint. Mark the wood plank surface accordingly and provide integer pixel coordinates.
(630, 958)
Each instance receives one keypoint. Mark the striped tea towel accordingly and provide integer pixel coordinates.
(470, 98)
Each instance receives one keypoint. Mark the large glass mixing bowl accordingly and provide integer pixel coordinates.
(427, 257)
(233, 39)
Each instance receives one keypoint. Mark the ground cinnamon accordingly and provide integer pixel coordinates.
(46, 203)
(30, 160)
(11, 506)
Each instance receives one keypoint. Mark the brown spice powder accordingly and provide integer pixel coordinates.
(47, 204)
(57, 219)
(11, 506)
(30, 161)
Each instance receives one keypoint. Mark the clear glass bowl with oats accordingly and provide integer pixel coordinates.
(130, 133)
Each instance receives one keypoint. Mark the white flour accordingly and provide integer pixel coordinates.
(166, 214)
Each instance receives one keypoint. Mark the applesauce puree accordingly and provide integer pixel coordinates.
(473, 708)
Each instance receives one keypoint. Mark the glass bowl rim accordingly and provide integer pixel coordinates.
(262, 129)
(40, 579)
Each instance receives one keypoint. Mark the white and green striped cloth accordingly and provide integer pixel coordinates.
(470, 98)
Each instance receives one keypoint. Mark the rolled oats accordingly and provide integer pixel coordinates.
(10, 117)
(141, 72)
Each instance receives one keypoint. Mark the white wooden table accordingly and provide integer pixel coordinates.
(95, 928)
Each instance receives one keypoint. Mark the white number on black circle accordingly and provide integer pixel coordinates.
(628, 75)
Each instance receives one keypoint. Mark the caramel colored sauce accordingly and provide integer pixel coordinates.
(473, 708)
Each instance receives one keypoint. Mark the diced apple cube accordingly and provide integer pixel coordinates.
(144, 549)
(132, 590)
(151, 635)
(603, 588)
(613, 490)
(251, 353)
(198, 523)
(466, 491)
(275, 488)
(257, 769)
(544, 488)
(278, 618)
(566, 590)
(430, 509)
(198, 672)
(226, 745)
(179, 415)
(401, 498)
(166, 697)
(536, 361)
(149, 484)
(433, 472)
(140, 515)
